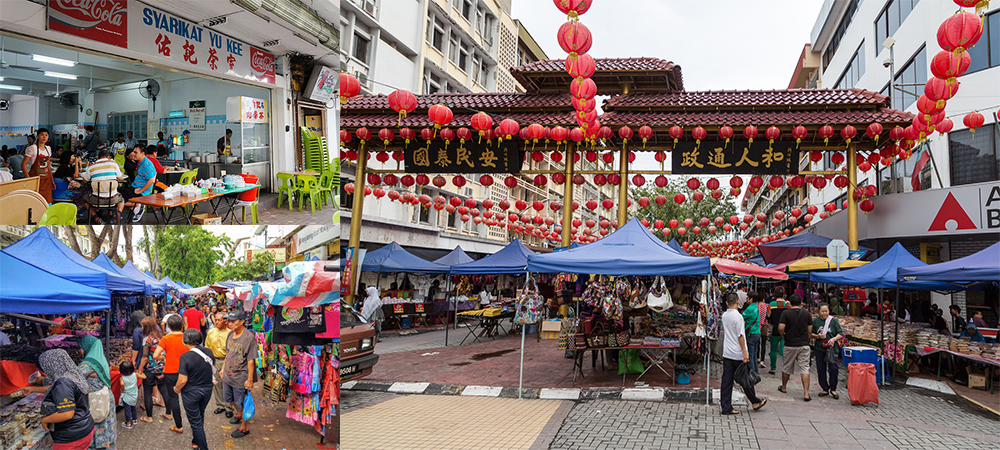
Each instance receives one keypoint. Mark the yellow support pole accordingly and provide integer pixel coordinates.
(623, 188)
(567, 216)
(357, 211)
(852, 204)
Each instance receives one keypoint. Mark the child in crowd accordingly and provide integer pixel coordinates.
(130, 393)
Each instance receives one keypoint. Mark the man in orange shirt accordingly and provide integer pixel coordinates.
(169, 351)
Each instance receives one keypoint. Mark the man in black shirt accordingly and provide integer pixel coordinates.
(795, 327)
(194, 382)
(957, 321)
(89, 143)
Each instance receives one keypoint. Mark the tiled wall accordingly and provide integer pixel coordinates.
(201, 141)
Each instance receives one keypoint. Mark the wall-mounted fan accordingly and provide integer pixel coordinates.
(149, 88)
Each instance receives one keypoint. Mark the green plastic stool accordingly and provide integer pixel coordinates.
(309, 185)
(59, 214)
(326, 185)
(253, 211)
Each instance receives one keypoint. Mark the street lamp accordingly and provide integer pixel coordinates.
(889, 43)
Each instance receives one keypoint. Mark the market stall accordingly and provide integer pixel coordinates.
(401, 307)
(796, 247)
(454, 257)
(629, 300)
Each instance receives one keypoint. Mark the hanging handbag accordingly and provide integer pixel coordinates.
(659, 299)
(621, 334)
(612, 339)
(529, 304)
(638, 297)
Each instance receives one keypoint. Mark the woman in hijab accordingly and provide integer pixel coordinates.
(98, 374)
(66, 405)
(372, 309)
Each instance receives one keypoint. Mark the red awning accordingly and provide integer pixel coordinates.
(737, 268)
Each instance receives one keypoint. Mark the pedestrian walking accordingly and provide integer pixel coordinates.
(795, 327)
(195, 377)
(130, 393)
(238, 369)
(68, 421)
(778, 306)
(751, 316)
(150, 369)
(735, 353)
(826, 350)
(170, 350)
(216, 342)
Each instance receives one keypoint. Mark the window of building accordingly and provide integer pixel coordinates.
(838, 34)
(484, 73)
(432, 84)
(910, 81)
(891, 18)
(986, 53)
(361, 45)
(468, 10)
(854, 71)
(453, 48)
(463, 57)
(476, 67)
(974, 156)
(435, 32)
(520, 57)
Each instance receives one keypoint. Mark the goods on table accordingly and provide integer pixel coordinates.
(870, 329)
(20, 423)
(932, 338)
(118, 351)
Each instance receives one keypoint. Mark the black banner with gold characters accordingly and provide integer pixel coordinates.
(715, 157)
(472, 157)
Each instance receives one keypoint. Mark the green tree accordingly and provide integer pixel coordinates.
(709, 208)
(262, 263)
(189, 254)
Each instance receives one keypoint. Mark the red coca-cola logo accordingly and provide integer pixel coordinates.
(108, 11)
(261, 61)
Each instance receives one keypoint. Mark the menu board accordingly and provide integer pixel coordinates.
(196, 115)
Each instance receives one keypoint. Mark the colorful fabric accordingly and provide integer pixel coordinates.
(94, 357)
(153, 366)
(106, 431)
(303, 407)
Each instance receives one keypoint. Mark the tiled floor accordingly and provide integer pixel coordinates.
(267, 212)
(447, 422)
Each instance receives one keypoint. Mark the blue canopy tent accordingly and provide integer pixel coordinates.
(46, 252)
(173, 284)
(154, 286)
(455, 257)
(758, 260)
(393, 258)
(796, 247)
(980, 267)
(26, 289)
(631, 250)
(103, 261)
(511, 259)
(677, 247)
(881, 273)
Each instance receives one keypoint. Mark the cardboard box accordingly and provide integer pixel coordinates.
(206, 219)
(977, 379)
(550, 329)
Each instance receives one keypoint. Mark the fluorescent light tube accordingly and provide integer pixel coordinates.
(10, 87)
(60, 75)
(51, 60)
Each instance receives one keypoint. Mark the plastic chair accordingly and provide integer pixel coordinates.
(286, 186)
(189, 176)
(105, 203)
(59, 214)
(248, 199)
(326, 185)
(308, 185)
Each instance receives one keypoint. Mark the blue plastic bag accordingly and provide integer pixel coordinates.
(248, 407)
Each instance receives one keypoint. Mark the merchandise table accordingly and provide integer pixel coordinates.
(924, 351)
(156, 201)
(656, 354)
(486, 323)
(229, 198)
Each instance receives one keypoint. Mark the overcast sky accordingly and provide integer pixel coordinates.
(722, 44)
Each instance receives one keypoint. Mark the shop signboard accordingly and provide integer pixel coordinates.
(322, 84)
(959, 210)
(311, 237)
(278, 253)
(715, 157)
(247, 110)
(471, 157)
(196, 115)
(152, 129)
(150, 31)
(102, 21)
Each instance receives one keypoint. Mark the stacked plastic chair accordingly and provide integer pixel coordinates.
(315, 153)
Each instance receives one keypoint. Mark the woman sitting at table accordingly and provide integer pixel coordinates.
(67, 187)
(973, 333)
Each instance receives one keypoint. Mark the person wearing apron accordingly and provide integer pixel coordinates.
(41, 166)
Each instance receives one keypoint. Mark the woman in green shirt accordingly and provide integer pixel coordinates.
(828, 332)
(751, 316)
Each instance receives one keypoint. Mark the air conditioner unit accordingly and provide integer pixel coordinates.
(369, 7)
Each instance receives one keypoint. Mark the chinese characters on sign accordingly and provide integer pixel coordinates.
(246, 109)
(714, 157)
(473, 157)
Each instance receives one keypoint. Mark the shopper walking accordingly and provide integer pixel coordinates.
(238, 369)
(795, 327)
(69, 422)
(751, 316)
(150, 369)
(778, 306)
(98, 374)
(130, 393)
(735, 353)
(216, 342)
(826, 350)
(170, 350)
(194, 382)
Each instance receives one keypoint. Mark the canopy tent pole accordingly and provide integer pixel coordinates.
(897, 329)
(447, 311)
(31, 318)
(852, 204)
(708, 343)
(520, 381)
(881, 332)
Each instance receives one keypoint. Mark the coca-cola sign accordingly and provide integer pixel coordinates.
(262, 65)
(99, 20)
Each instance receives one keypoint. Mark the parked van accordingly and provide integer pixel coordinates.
(357, 344)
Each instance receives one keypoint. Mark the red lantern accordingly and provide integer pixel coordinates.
(697, 196)
(608, 203)
(699, 133)
(940, 91)
(799, 133)
(660, 200)
(840, 182)
(509, 128)
(960, 32)
(582, 105)
(614, 179)
(402, 101)
(645, 133)
(660, 181)
(676, 132)
(825, 133)
(386, 136)
(865, 166)
(578, 180)
(945, 125)
(867, 206)
(693, 183)
(837, 158)
(756, 182)
(583, 66)
(772, 133)
(427, 134)
(948, 66)
(439, 181)
(583, 88)
(874, 131)
(726, 132)
(349, 87)
(644, 201)
(458, 180)
(481, 122)
(541, 180)
(974, 120)
(848, 133)
(440, 114)
(447, 135)
(750, 132)
(639, 180)
(736, 182)
(574, 38)
(679, 199)
(735, 192)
